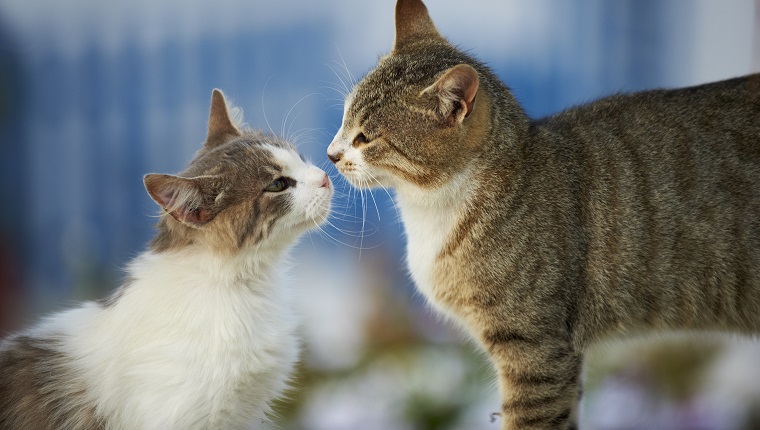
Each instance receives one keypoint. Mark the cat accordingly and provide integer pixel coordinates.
(629, 214)
(202, 334)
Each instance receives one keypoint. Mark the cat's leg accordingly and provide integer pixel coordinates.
(538, 379)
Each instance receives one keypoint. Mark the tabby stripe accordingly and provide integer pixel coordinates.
(259, 224)
(561, 418)
(502, 336)
(529, 403)
(561, 382)
(461, 233)
(403, 154)
(554, 421)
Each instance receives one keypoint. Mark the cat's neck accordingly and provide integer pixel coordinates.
(448, 196)
(209, 265)
(225, 320)
(429, 217)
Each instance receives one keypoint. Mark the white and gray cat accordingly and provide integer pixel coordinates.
(202, 334)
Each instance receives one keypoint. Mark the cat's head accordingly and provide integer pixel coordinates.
(242, 189)
(420, 116)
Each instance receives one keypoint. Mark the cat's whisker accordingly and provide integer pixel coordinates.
(340, 86)
(313, 246)
(320, 131)
(327, 236)
(365, 203)
(393, 201)
(345, 70)
(331, 238)
(263, 106)
(296, 137)
(350, 195)
(287, 115)
(354, 199)
(351, 77)
(355, 234)
(344, 208)
(344, 217)
(341, 79)
(364, 218)
(331, 86)
(344, 205)
(371, 194)
(338, 105)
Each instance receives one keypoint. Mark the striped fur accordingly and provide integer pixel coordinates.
(632, 213)
(202, 334)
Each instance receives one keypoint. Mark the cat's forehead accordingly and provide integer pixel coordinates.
(378, 90)
(396, 78)
(402, 75)
(285, 157)
(252, 154)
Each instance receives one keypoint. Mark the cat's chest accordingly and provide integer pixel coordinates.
(427, 231)
(210, 351)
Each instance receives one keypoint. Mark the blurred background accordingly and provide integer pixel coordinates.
(94, 94)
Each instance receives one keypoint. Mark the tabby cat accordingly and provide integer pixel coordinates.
(633, 213)
(202, 335)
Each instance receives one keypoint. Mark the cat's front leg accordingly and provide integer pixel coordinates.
(538, 379)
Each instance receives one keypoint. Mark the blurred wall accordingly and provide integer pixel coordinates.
(94, 95)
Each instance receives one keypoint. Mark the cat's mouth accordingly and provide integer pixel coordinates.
(362, 179)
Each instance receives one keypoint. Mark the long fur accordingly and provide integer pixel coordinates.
(202, 334)
(188, 323)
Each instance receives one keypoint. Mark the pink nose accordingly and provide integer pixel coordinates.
(325, 182)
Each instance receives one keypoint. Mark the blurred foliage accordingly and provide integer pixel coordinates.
(672, 365)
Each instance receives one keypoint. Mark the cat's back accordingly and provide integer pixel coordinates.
(714, 113)
(692, 144)
(662, 189)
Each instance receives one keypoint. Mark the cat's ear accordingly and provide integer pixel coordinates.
(182, 198)
(455, 93)
(413, 22)
(220, 126)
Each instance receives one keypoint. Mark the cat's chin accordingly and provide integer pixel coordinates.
(313, 222)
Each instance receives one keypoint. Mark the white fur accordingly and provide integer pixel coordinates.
(197, 341)
(312, 200)
(428, 222)
(429, 215)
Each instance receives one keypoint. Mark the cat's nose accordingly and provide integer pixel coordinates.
(334, 157)
(333, 153)
(325, 182)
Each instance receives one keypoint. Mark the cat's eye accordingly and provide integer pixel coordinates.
(279, 184)
(360, 139)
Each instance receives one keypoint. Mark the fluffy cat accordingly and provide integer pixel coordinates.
(201, 335)
(633, 213)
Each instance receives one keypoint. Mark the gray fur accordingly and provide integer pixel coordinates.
(633, 213)
(37, 389)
